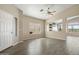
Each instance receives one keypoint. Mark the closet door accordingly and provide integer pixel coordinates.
(5, 30)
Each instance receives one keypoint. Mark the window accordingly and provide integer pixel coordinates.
(56, 25)
(73, 24)
(73, 27)
(15, 26)
(50, 27)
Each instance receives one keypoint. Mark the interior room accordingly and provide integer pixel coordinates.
(39, 29)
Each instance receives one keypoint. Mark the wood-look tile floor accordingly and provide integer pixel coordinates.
(42, 46)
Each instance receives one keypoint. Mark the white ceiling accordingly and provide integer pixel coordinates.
(33, 10)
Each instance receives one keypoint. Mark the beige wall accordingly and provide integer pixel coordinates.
(54, 34)
(10, 9)
(26, 20)
(22, 23)
(72, 11)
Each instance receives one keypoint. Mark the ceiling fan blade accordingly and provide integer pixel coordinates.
(41, 10)
(50, 14)
(48, 8)
(53, 12)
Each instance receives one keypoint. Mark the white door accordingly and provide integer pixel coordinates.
(5, 30)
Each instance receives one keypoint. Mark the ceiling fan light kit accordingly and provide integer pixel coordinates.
(48, 11)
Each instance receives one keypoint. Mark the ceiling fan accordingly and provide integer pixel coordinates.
(48, 11)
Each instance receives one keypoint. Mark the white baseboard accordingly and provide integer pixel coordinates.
(17, 43)
(56, 38)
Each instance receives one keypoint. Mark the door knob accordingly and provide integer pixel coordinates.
(11, 32)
